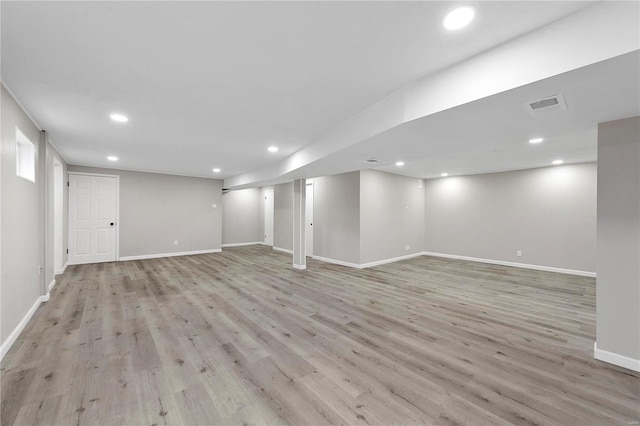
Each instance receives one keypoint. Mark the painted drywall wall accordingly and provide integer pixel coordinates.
(241, 219)
(336, 217)
(391, 216)
(22, 231)
(618, 281)
(158, 209)
(547, 213)
(283, 216)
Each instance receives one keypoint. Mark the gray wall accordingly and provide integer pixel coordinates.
(156, 209)
(618, 282)
(548, 213)
(391, 216)
(241, 216)
(22, 234)
(336, 217)
(283, 216)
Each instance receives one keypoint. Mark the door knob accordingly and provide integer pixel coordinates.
(112, 224)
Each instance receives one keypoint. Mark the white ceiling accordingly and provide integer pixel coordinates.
(212, 84)
(492, 134)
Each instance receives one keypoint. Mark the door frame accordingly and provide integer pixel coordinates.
(308, 211)
(58, 216)
(117, 206)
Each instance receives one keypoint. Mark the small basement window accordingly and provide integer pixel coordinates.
(25, 157)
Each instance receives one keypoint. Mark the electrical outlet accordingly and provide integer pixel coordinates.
(519, 253)
(407, 247)
(175, 242)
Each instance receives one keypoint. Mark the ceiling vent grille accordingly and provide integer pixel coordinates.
(546, 105)
(374, 161)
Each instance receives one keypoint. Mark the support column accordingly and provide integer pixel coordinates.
(299, 243)
(618, 281)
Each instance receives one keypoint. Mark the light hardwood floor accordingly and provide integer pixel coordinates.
(239, 337)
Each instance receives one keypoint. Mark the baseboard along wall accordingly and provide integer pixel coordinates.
(11, 339)
(253, 243)
(159, 255)
(615, 359)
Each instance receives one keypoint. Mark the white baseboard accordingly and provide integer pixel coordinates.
(336, 261)
(616, 359)
(11, 339)
(283, 250)
(253, 243)
(159, 255)
(514, 264)
(300, 267)
(390, 260)
(51, 284)
(368, 264)
(61, 271)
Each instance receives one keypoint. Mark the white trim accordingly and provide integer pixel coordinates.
(368, 264)
(390, 260)
(45, 297)
(284, 250)
(252, 243)
(51, 284)
(335, 261)
(514, 264)
(15, 98)
(615, 359)
(71, 172)
(64, 268)
(300, 267)
(58, 212)
(11, 339)
(453, 256)
(159, 255)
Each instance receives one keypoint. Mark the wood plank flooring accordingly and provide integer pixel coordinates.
(239, 337)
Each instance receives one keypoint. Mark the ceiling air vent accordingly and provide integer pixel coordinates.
(546, 105)
(374, 161)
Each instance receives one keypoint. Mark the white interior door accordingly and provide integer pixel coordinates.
(92, 218)
(308, 209)
(268, 217)
(58, 185)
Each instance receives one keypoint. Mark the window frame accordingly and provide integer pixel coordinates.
(25, 157)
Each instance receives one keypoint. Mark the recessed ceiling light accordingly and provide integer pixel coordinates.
(399, 163)
(119, 118)
(216, 170)
(273, 149)
(444, 174)
(458, 18)
(557, 162)
(112, 158)
(536, 140)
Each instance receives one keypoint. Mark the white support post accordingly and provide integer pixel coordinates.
(299, 244)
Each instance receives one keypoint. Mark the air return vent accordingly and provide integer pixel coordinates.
(546, 105)
(374, 161)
